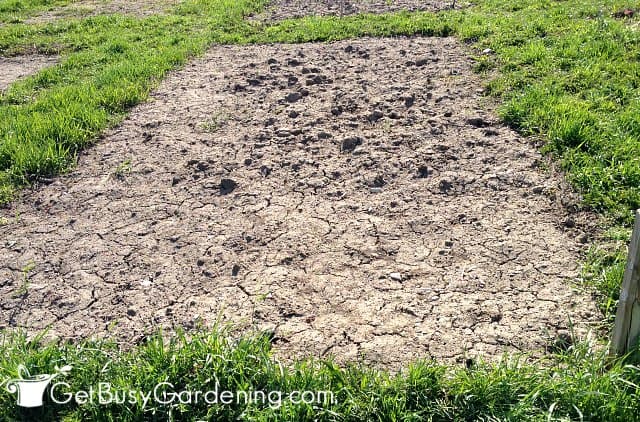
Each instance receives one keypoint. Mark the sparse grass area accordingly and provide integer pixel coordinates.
(567, 72)
(15, 11)
(571, 386)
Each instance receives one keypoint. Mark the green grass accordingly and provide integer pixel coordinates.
(571, 386)
(565, 72)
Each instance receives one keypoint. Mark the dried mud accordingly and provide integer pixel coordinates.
(86, 8)
(355, 197)
(287, 9)
(14, 68)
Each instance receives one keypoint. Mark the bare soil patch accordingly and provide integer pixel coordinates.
(287, 9)
(86, 8)
(353, 196)
(14, 68)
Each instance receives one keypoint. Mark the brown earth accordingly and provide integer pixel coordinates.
(286, 9)
(86, 8)
(14, 68)
(355, 197)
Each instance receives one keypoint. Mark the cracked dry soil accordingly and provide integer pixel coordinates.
(287, 9)
(353, 196)
(86, 8)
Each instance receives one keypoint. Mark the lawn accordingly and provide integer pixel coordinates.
(564, 73)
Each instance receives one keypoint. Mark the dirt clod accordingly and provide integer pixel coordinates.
(350, 144)
(227, 186)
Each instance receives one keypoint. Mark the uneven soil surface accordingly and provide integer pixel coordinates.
(14, 68)
(355, 197)
(85, 8)
(286, 9)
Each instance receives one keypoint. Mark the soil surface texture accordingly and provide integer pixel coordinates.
(355, 197)
(287, 9)
(14, 68)
(86, 8)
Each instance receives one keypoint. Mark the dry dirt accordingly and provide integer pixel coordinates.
(86, 8)
(354, 196)
(14, 68)
(286, 9)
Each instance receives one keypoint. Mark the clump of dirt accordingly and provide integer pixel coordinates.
(287, 9)
(353, 197)
(14, 68)
(624, 13)
(86, 8)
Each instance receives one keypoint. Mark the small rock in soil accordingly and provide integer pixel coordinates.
(379, 181)
(265, 171)
(445, 186)
(375, 116)
(317, 80)
(227, 186)
(424, 171)
(478, 122)
(293, 97)
(408, 101)
(349, 144)
(395, 276)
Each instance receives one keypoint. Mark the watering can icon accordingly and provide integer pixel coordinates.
(30, 389)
